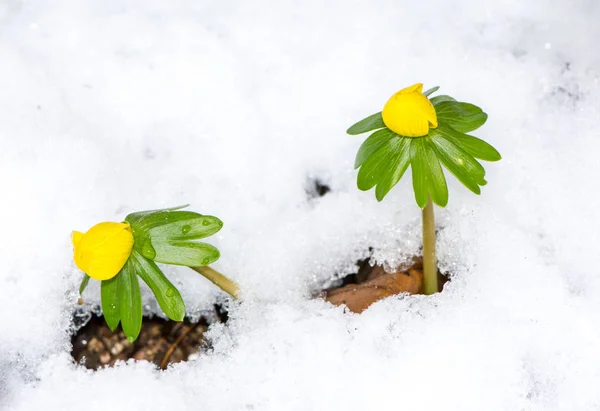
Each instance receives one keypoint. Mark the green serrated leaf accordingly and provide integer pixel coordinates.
(371, 145)
(439, 99)
(375, 167)
(428, 176)
(463, 117)
(84, 283)
(398, 164)
(166, 294)
(431, 91)
(109, 292)
(373, 122)
(472, 145)
(130, 301)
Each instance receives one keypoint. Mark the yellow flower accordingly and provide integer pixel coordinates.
(409, 113)
(103, 250)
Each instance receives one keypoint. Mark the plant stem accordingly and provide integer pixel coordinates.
(219, 280)
(430, 279)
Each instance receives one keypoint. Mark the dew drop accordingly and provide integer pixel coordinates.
(206, 261)
(147, 250)
(185, 229)
(170, 292)
(130, 339)
(205, 222)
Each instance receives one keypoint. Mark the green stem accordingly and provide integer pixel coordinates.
(430, 279)
(219, 280)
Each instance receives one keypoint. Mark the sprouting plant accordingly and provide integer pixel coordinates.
(117, 253)
(423, 133)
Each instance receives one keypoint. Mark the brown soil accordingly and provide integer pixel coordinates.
(161, 342)
(167, 342)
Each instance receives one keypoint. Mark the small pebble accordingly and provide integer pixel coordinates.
(116, 349)
(104, 357)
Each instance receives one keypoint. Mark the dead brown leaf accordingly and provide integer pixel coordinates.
(375, 284)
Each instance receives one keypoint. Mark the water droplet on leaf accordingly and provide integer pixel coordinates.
(205, 222)
(206, 261)
(130, 339)
(170, 292)
(185, 229)
(147, 250)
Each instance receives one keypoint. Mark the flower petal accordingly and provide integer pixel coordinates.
(104, 249)
(409, 113)
(76, 238)
(415, 88)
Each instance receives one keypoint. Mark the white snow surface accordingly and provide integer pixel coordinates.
(236, 107)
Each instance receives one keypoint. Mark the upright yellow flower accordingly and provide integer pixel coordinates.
(409, 113)
(103, 250)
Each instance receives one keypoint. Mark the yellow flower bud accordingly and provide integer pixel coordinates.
(409, 113)
(103, 250)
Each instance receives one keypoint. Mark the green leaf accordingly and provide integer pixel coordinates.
(437, 183)
(431, 91)
(190, 254)
(439, 99)
(179, 225)
(442, 138)
(428, 176)
(460, 163)
(371, 145)
(373, 122)
(418, 165)
(135, 217)
(167, 237)
(462, 117)
(130, 301)
(398, 163)
(84, 282)
(166, 294)
(375, 167)
(472, 145)
(109, 292)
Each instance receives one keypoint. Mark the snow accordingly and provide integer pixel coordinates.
(236, 108)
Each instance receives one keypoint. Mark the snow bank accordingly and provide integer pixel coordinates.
(236, 108)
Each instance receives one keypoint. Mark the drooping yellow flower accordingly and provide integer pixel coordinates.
(409, 113)
(103, 250)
